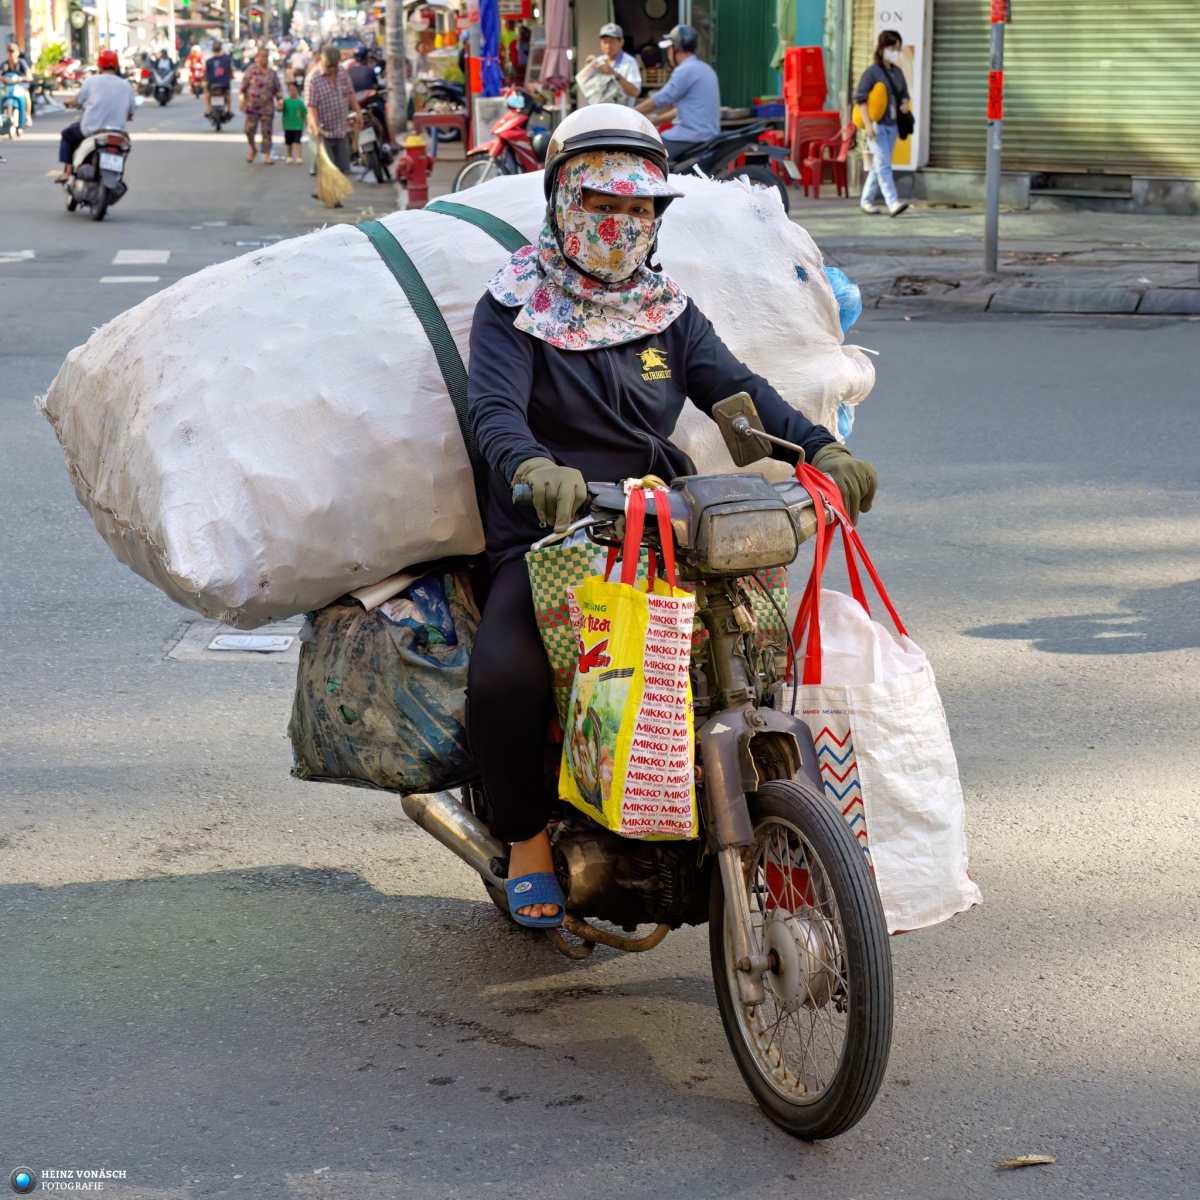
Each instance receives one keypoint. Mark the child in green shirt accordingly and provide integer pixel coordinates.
(294, 112)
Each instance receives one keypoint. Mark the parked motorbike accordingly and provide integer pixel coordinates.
(374, 149)
(220, 112)
(69, 73)
(797, 936)
(438, 96)
(716, 158)
(164, 81)
(98, 169)
(515, 148)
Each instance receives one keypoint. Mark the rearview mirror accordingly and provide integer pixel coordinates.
(742, 429)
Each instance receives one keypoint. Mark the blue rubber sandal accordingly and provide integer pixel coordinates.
(541, 887)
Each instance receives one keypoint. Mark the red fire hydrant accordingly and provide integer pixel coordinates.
(412, 170)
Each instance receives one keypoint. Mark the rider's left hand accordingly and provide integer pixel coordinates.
(855, 477)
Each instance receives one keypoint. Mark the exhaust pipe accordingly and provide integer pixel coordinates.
(460, 831)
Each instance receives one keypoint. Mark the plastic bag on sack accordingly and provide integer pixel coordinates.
(381, 696)
(883, 746)
(628, 743)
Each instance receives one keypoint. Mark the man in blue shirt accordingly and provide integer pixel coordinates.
(218, 75)
(693, 90)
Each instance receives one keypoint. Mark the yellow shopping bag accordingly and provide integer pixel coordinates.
(628, 744)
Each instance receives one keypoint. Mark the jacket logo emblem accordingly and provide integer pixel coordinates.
(654, 364)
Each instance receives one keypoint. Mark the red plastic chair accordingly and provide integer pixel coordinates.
(831, 154)
(806, 128)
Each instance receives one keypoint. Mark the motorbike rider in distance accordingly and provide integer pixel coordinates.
(106, 101)
(218, 75)
(582, 354)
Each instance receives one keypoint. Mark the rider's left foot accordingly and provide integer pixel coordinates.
(526, 858)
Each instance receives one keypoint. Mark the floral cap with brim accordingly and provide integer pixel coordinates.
(616, 172)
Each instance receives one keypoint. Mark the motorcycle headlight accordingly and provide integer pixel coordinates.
(737, 539)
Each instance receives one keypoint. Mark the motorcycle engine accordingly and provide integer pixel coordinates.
(629, 882)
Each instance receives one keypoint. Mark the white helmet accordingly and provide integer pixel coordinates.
(602, 127)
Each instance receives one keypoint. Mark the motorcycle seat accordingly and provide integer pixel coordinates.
(89, 143)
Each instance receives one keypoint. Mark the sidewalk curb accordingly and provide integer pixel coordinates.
(1156, 302)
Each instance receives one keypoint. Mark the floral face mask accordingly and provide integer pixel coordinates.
(607, 246)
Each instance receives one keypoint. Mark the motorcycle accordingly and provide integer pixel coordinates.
(98, 169)
(196, 77)
(374, 152)
(798, 941)
(164, 81)
(220, 113)
(68, 73)
(514, 148)
(718, 158)
(10, 117)
(438, 96)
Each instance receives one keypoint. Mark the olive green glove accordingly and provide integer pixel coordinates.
(855, 477)
(558, 492)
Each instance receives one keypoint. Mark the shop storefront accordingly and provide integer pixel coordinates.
(1089, 88)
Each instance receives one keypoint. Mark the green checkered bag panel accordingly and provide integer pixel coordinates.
(556, 568)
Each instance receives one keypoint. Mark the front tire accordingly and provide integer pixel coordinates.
(479, 168)
(763, 177)
(814, 1053)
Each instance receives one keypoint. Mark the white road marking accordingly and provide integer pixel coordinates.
(11, 256)
(130, 278)
(136, 258)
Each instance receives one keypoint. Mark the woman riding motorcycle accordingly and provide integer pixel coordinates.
(582, 353)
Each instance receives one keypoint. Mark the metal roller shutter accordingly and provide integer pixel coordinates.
(862, 41)
(1098, 86)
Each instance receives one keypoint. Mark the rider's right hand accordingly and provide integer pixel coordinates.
(558, 492)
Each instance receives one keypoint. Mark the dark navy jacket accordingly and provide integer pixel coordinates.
(608, 412)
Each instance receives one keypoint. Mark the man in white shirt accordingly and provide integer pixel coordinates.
(613, 77)
(106, 101)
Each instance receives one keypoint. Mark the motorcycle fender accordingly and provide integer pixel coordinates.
(110, 180)
(739, 749)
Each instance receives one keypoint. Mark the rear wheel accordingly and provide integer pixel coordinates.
(763, 177)
(479, 168)
(100, 204)
(814, 1052)
(375, 165)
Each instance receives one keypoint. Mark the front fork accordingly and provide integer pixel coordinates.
(729, 769)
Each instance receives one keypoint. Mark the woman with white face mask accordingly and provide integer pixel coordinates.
(582, 354)
(881, 96)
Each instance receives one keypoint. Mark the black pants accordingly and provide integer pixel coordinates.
(71, 136)
(339, 151)
(510, 702)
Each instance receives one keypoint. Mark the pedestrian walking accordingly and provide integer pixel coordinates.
(329, 97)
(259, 98)
(882, 107)
(294, 113)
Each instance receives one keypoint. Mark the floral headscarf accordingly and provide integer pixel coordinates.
(596, 289)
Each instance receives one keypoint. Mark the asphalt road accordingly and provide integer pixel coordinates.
(225, 982)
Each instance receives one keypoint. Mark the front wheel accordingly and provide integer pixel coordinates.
(479, 168)
(814, 1052)
(763, 177)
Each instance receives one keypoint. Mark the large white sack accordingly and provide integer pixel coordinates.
(267, 434)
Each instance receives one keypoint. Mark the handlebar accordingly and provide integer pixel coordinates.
(522, 494)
